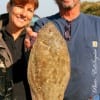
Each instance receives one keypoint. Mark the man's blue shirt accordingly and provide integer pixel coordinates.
(84, 49)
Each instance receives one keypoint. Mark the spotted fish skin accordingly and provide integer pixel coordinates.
(49, 65)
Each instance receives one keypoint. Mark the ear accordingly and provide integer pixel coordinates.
(8, 7)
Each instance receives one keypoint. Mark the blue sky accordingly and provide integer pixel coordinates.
(46, 7)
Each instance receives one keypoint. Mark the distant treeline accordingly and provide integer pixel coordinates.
(91, 8)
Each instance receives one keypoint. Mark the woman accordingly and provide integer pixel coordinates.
(20, 13)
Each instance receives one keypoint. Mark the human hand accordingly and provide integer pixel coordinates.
(30, 38)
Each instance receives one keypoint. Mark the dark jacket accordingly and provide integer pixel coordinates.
(5, 70)
(18, 68)
(4, 51)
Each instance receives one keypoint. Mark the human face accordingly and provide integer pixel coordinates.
(67, 4)
(20, 15)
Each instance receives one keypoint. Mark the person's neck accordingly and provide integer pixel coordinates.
(72, 14)
(15, 32)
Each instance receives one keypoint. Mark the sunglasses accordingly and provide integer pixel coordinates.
(67, 33)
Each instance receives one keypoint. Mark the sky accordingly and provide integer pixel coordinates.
(46, 7)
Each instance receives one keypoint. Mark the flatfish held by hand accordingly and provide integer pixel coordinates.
(49, 65)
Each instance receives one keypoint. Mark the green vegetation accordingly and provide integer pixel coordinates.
(91, 8)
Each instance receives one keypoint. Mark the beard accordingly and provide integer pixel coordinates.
(62, 5)
(67, 7)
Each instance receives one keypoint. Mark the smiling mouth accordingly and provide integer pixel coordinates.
(21, 19)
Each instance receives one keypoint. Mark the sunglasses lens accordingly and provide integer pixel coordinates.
(67, 34)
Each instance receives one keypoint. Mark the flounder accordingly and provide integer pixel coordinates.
(49, 65)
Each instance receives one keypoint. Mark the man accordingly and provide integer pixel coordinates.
(82, 34)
